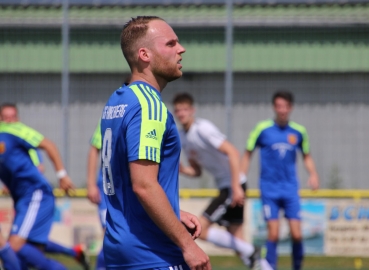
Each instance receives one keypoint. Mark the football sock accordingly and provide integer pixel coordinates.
(224, 239)
(52, 247)
(100, 261)
(271, 255)
(35, 258)
(9, 258)
(265, 265)
(297, 255)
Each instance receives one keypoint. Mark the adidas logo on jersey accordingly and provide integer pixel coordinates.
(151, 135)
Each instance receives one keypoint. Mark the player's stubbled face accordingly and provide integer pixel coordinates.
(282, 109)
(184, 112)
(9, 115)
(167, 51)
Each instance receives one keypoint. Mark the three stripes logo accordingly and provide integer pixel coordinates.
(151, 135)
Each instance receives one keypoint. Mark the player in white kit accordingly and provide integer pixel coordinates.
(206, 147)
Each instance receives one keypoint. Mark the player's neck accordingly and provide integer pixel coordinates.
(281, 123)
(149, 79)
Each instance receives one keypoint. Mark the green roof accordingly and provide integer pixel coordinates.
(190, 15)
(259, 50)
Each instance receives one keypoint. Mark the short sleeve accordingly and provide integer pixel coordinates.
(254, 136)
(210, 133)
(305, 145)
(96, 137)
(252, 140)
(27, 134)
(146, 127)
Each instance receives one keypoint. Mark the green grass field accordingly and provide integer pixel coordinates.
(233, 263)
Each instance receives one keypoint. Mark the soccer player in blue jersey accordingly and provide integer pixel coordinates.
(9, 114)
(95, 192)
(145, 228)
(279, 141)
(32, 195)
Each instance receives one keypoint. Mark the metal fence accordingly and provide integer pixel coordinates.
(319, 51)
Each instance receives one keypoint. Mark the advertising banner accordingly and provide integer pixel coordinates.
(347, 232)
(334, 227)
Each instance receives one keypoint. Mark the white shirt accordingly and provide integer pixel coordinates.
(201, 143)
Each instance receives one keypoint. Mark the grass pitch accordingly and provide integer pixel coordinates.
(233, 263)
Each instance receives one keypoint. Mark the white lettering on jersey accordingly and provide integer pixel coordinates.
(282, 149)
(111, 112)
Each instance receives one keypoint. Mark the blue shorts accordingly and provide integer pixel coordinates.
(289, 202)
(102, 207)
(34, 216)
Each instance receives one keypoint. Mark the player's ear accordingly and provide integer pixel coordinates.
(144, 55)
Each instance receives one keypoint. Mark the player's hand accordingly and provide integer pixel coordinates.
(238, 196)
(195, 258)
(93, 194)
(191, 223)
(313, 182)
(66, 183)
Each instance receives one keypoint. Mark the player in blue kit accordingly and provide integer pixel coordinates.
(32, 195)
(145, 228)
(9, 114)
(95, 192)
(279, 140)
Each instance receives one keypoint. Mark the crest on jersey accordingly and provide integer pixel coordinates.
(2, 147)
(292, 139)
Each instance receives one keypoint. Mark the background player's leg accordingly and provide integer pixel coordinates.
(76, 252)
(292, 213)
(297, 246)
(248, 256)
(32, 256)
(225, 239)
(9, 258)
(52, 247)
(7, 255)
(271, 245)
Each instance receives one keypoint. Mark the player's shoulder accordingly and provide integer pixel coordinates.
(263, 125)
(146, 93)
(150, 102)
(205, 127)
(298, 127)
(119, 103)
(16, 128)
(201, 122)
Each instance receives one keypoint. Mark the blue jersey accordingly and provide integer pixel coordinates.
(278, 148)
(136, 125)
(17, 170)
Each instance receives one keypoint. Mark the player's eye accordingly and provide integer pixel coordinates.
(172, 43)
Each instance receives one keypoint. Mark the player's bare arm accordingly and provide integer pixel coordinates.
(194, 170)
(313, 181)
(155, 202)
(245, 162)
(191, 223)
(238, 195)
(65, 182)
(93, 193)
